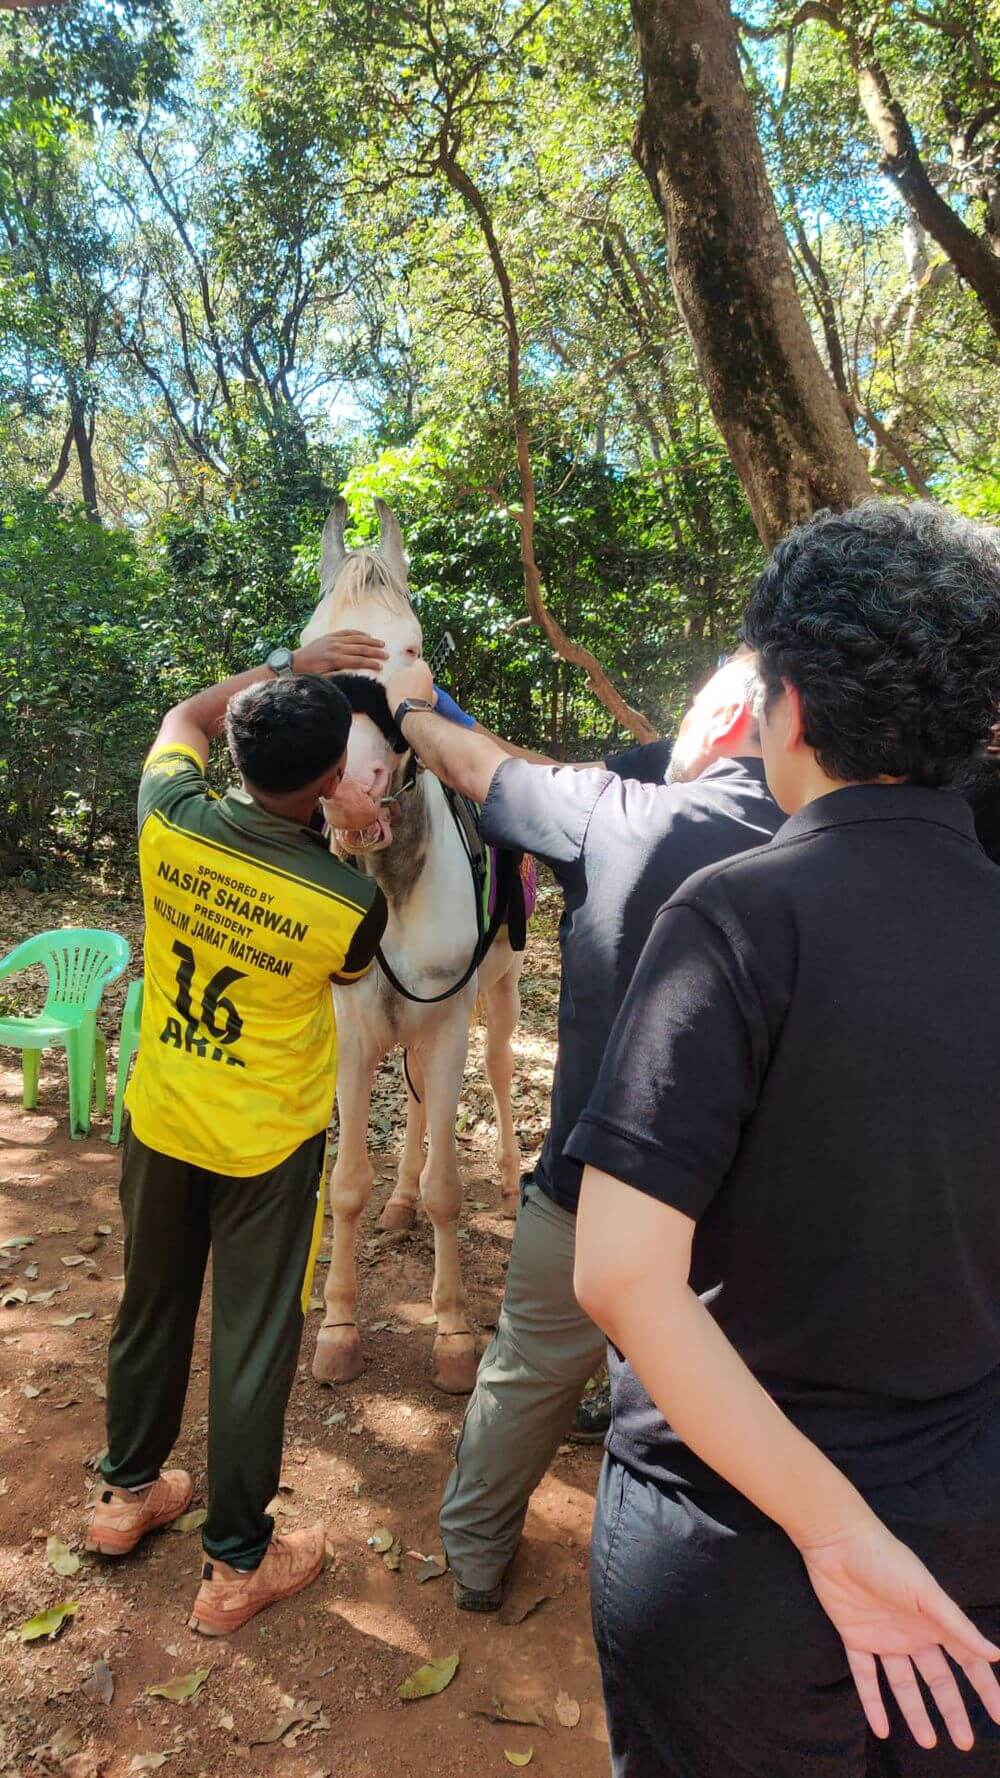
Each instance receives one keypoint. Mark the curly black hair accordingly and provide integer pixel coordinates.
(287, 733)
(886, 620)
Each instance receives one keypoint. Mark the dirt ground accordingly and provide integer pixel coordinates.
(309, 1689)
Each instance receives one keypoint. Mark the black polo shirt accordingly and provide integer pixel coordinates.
(806, 1064)
(618, 850)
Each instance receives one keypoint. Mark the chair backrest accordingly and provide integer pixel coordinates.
(78, 962)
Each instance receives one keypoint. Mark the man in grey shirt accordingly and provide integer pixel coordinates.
(618, 849)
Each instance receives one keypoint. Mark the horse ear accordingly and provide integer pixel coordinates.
(390, 542)
(332, 551)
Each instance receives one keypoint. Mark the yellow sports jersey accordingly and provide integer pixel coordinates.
(248, 916)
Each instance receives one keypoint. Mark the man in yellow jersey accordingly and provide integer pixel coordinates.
(248, 917)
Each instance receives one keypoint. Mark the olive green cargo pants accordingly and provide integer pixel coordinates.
(528, 1386)
(263, 1233)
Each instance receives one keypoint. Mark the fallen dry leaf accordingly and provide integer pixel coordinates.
(380, 1540)
(227, 1723)
(103, 1228)
(12, 1298)
(567, 1710)
(431, 1678)
(522, 1603)
(48, 1623)
(300, 1717)
(509, 1710)
(31, 1272)
(518, 1759)
(190, 1521)
(14, 1242)
(64, 1742)
(181, 1689)
(99, 1683)
(70, 1401)
(71, 1320)
(45, 1296)
(60, 1557)
(32, 1390)
(72, 1259)
(430, 1568)
(85, 1764)
(147, 1762)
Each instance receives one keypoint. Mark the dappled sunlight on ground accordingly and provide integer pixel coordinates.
(370, 1456)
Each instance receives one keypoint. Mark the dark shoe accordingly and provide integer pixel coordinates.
(476, 1599)
(592, 1417)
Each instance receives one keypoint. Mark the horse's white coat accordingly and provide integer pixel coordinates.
(429, 940)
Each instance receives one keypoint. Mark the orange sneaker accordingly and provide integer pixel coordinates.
(229, 1597)
(121, 1519)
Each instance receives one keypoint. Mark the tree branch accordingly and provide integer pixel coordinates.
(597, 679)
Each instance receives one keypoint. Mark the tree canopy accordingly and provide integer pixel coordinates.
(250, 254)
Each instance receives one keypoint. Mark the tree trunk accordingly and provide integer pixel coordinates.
(83, 440)
(782, 420)
(969, 253)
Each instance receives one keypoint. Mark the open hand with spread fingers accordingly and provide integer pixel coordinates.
(888, 1608)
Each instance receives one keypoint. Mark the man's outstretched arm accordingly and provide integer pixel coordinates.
(464, 758)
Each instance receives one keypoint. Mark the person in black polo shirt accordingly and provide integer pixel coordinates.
(790, 1218)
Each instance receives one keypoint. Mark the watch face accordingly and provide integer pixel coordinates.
(280, 660)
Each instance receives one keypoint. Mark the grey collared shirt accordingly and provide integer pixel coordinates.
(619, 849)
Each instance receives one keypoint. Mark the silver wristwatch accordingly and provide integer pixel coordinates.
(280, 662)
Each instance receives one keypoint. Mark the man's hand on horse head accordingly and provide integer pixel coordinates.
(343, 651)
(352, 808)
(415, 681)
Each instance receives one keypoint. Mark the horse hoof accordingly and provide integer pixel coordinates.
(510, 1203)
(338, 1360)
(398, 1216)
(454, 1364)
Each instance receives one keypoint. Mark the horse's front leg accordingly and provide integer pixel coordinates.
(441, 1188)
(502, 1007)
(401, 1210)
(339, 1357)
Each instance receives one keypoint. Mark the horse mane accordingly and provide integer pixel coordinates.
(365, 574)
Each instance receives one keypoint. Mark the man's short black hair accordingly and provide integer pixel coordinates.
(287, 733)
(886, 620)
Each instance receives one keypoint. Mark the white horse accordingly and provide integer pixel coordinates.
(418, 858)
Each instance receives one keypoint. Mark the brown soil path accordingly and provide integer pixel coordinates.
(371, 1455)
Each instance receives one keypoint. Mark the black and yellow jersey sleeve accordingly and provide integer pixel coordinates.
(171, 776)
(248, 917)
(363, 946)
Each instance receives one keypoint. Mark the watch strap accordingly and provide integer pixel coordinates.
(408, 705)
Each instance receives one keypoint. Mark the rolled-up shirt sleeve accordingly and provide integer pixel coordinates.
(682, 1069)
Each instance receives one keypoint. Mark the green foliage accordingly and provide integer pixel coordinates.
(81, 658)
(235, 274)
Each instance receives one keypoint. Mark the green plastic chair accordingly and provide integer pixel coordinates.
(128, 1043)
(79, 964)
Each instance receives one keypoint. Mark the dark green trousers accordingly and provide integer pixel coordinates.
(262, 1233)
